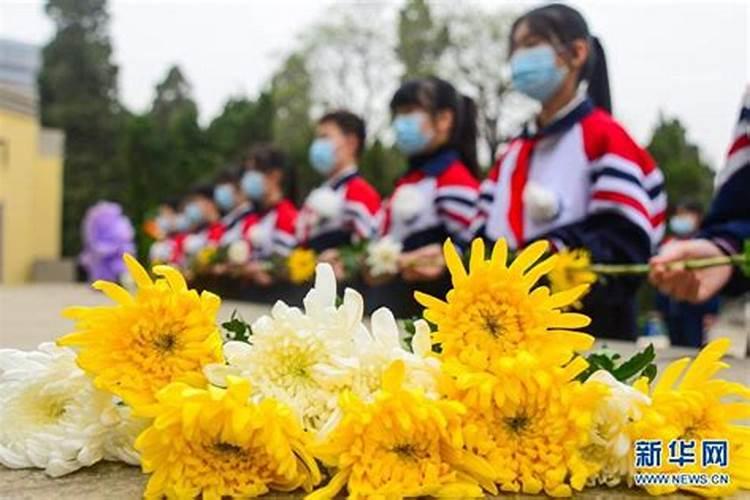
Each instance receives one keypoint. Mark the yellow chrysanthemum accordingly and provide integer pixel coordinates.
(532, 424)
(205, 257)
(301, 265)
(214, 443)
(699, 407)
(494, 312)
(162, 333)
(572, 269)
(400, 445)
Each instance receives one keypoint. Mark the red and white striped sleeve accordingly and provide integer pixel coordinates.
(456, 201)
(624, 177)
(361, 208)
(283, 237)
(738, 156)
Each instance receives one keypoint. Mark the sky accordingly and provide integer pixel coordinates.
(685, 59)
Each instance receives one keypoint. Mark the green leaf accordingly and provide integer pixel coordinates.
(351, 258)
(237, 328)
(746, 264)
(649, 372)
(635, 365)
(640, 363)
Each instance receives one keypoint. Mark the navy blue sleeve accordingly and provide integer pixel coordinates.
(728, 223)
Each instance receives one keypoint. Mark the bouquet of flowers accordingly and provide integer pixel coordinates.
(498, 394)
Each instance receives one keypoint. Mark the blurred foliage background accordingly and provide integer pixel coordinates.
(354, 59)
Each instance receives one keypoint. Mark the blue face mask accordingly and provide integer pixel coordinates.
(165, 224)
(322, 156)
(410, 138)
(254, 185)
(194, 213)
(682, 225)
(224, 197)
(534, 72)
(181, 223)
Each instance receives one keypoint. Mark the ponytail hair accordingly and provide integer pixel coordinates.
(561, 25)
(598, 77)
(434, 95)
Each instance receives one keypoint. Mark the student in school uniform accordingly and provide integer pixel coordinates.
(232, 203)
(270, 231)
(344, 209)
(436, 198)
(167, 222)
(174, 255)
(204, 219)
(725, 230)
(574, 177)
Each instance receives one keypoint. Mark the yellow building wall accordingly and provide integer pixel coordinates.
(30, 195)
(47, 197)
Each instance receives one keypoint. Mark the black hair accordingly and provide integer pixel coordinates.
(434, 95)
(560, 25)
(350, 124)
(229, 175)
(204, 190)
(266, 158)
(173, 203)
(690, 205)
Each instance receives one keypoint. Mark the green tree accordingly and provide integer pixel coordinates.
(175, 115)
(421, 39)
(473, 63)
(242, 123)
(352, 64)
(381, 166)
(687, 176)
(173, 98)
(78, 93)
(293, 130)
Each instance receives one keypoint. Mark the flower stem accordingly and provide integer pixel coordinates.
(639, 269)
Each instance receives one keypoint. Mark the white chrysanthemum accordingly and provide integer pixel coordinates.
(542, 204)
(238, 252)
(407, 202)
(306, 359)
(610, 440)
(301, 358)
(382, 256)
(118, 445)
(325, 202)
(378, 348)
(51, 415)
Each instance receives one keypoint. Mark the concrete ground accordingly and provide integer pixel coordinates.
(31, 314)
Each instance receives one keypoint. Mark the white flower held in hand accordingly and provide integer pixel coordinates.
(382, 256)
(610, 441)
(258, 235)
(408, 201)
(53, 418)
(325, 202)
(238, 252)
(543, 205)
